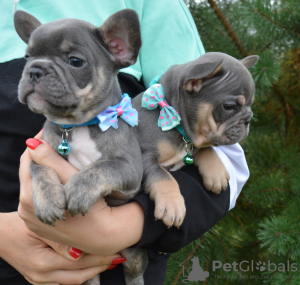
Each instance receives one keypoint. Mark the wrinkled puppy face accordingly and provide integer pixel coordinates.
(59, 79)
(72, 65)
(220, 100)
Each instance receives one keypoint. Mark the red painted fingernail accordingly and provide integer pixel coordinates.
(74, 252)
(112, 266)
(118, 260)
(33, 143)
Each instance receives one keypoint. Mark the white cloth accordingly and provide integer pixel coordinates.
(233, 158)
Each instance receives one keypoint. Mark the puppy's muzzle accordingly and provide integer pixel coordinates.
(35, 75)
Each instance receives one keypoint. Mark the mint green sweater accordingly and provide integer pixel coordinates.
(169, 33)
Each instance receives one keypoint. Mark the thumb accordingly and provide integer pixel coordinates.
(43, 154)
(66, 251)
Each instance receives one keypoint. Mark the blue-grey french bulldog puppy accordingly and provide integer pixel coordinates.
(71, 78)
(191, 107)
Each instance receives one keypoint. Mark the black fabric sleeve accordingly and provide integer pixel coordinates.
(17, 123)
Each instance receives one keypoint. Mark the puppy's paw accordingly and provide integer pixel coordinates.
(216, 181)
(80, 195)
(211, 168)
(49, 204)
(172, 210)
(169, 203)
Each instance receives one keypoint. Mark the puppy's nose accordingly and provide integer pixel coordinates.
(36, 74)
(247, 121)
(248, 118)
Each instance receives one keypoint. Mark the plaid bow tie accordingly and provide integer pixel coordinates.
(154, 96)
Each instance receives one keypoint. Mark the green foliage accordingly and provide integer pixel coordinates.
(266, 71)
(276, 232)
(265, 224)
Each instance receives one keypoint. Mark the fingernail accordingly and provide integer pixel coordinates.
(33, 143)
(112, 266)
(119, 260)
(74, 252)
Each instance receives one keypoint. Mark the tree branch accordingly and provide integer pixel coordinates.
(275, 22)
(228, 27)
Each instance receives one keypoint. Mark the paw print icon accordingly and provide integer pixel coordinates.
(261, 266)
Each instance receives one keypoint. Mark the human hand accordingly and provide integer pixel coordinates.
(102, 231)
(41, 264)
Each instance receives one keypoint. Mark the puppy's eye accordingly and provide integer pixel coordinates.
(26, 56)
(229, 107)
(76, 62)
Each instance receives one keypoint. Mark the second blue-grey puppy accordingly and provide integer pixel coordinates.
(191, 107)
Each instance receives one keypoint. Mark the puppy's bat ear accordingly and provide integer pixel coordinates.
(200, 72)
(122, 36)
(25, 24)
(250, 61)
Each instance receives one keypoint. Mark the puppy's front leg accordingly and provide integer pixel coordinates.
(164, 190)
(48, 195)
(215, 175)
(135, 265)
(98, 180)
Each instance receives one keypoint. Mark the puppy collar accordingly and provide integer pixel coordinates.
(105, 120)
(181, 130)
(154, 80)
(94, 121)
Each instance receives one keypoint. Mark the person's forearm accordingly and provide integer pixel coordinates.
(4, 232)
(102, 231)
